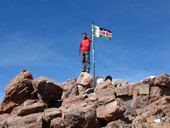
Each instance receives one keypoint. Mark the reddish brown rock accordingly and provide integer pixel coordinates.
(110, 112)
(47, 89)
(131, 105)
(23, 75)
(104, 85)
(162, 80)
(70, 89)
(17, 91)
(141, 100)
(26, 103)
(149, 80)
(80, 116)
(153, 107)
(85, 79)
(30, 109)
(57, 123)
(79, 112)
(52, 113)
(149, 122)
(105, 96)
(29, 121)
(81, 89)
(80, 100)
(118, 124)
(36, 120)
(155, 93)
(30, 102)
(159, 109)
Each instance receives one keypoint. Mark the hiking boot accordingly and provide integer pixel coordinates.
(87, 71)
(82, 70)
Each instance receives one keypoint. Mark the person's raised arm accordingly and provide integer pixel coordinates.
(90, 40)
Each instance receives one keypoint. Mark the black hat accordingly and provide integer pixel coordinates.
(84, 33)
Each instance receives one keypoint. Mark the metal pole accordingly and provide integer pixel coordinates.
(93, 52)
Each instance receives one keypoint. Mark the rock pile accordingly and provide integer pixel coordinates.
(43, 103)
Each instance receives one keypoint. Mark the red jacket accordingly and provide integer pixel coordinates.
(85, 44)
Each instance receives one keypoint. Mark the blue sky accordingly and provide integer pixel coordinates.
(43, 36)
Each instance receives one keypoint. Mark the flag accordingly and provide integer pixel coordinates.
(102, 33)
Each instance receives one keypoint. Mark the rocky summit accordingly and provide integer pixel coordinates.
(43, 103)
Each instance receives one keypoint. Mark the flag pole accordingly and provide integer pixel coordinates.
(93, 52)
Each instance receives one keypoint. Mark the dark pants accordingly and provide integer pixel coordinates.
(85, 60)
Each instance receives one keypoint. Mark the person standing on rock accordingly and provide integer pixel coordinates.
(84, 52)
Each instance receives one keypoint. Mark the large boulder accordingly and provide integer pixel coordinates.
(141, 96)
(105, 96)
(70, 89)
(155, 93)
(85, 79)
(17, 91)
(26, 103)
(104, 85)
(79, 112)
(162, 80)
(51, 115)
(110, 112)
(126, 90)
(80, 116)
(30, 109)
(48, 90)
(149, 80)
